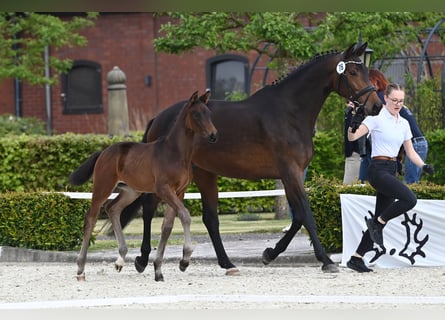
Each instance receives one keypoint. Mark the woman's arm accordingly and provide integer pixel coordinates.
(412, 154)
(360, 132)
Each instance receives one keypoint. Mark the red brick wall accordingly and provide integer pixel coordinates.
(124, 40)
(7, 104)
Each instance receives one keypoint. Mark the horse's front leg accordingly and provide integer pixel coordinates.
(184, 216)
(309, 223)
(166, 229)
(302, 216)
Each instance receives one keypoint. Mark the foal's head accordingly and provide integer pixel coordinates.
(353, 80)
(198, 117)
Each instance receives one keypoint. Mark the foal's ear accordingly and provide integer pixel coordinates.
(205, 97)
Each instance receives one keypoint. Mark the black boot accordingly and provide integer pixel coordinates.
(357, 264)
(375, 231)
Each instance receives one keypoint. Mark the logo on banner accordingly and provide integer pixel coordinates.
(412, 229)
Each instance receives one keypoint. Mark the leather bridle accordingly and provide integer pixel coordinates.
(354, 97)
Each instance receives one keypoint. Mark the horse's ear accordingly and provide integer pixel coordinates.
(194, 97)
(353, 50)
(205, 97)
(360, 50)
(349, 52)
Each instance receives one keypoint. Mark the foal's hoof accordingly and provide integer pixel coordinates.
(183, 265)
(267, 256)
(139, 264)
(330, 268)
(118, 267)
(233, 272)
(80, 277)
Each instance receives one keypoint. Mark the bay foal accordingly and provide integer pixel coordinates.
(162, 167)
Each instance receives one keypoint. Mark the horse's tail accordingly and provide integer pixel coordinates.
(83, 173)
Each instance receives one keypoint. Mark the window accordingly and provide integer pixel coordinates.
(82, 88)
(227, 74)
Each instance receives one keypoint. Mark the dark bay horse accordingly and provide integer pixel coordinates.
(267, 135)
(162, 167)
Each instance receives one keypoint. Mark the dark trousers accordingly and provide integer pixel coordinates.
(393, 197)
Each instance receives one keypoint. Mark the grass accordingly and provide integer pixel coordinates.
(229, 224)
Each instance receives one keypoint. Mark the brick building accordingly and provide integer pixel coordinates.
(78, 103)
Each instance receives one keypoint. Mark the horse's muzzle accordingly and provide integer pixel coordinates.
(213, 138)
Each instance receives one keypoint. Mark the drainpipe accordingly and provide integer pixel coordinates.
(47, 93)
(18, 97)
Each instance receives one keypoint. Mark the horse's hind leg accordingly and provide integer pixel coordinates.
(149, 204)
(114, 209)
(88, 226)
(166, 229)
(207, 185)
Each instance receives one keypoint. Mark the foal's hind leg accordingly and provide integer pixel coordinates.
(114, 209)
(88, 226)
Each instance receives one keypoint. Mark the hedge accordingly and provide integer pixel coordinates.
(33, 165)
(52, 221)
(40, 220)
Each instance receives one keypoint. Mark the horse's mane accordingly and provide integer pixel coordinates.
(294, 70)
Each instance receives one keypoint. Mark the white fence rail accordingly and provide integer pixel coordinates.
(228, 194)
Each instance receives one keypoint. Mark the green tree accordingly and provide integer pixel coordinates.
(287, 37)
(282, 36)
(24, 36)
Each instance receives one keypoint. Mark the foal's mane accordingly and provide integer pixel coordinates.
(306, 64)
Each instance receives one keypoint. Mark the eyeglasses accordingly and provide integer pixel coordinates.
(396, 101)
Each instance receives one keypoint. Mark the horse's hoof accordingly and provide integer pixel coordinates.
(266, 256)
(183, 265)
(159, 278)
(80, 277)
(140, 267)
(233, 272)
(330, 268)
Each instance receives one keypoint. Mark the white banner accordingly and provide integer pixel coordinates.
(416, 238)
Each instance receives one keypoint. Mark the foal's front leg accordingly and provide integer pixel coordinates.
(184, 216)
(166, 229)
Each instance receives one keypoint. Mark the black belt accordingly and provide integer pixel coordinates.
(417, 139)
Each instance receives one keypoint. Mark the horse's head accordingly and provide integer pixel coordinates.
(353, 80)
(199, 118)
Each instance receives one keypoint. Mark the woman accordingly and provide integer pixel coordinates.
(389, 131)
(420, 144)
(380, 83)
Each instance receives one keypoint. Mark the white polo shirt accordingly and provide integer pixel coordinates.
(387, 133)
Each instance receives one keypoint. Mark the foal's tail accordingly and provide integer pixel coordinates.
(83, 173)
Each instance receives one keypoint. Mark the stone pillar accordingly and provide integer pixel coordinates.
(117, 103)
(281, 204)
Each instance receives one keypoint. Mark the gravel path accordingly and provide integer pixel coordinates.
(205, 286)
